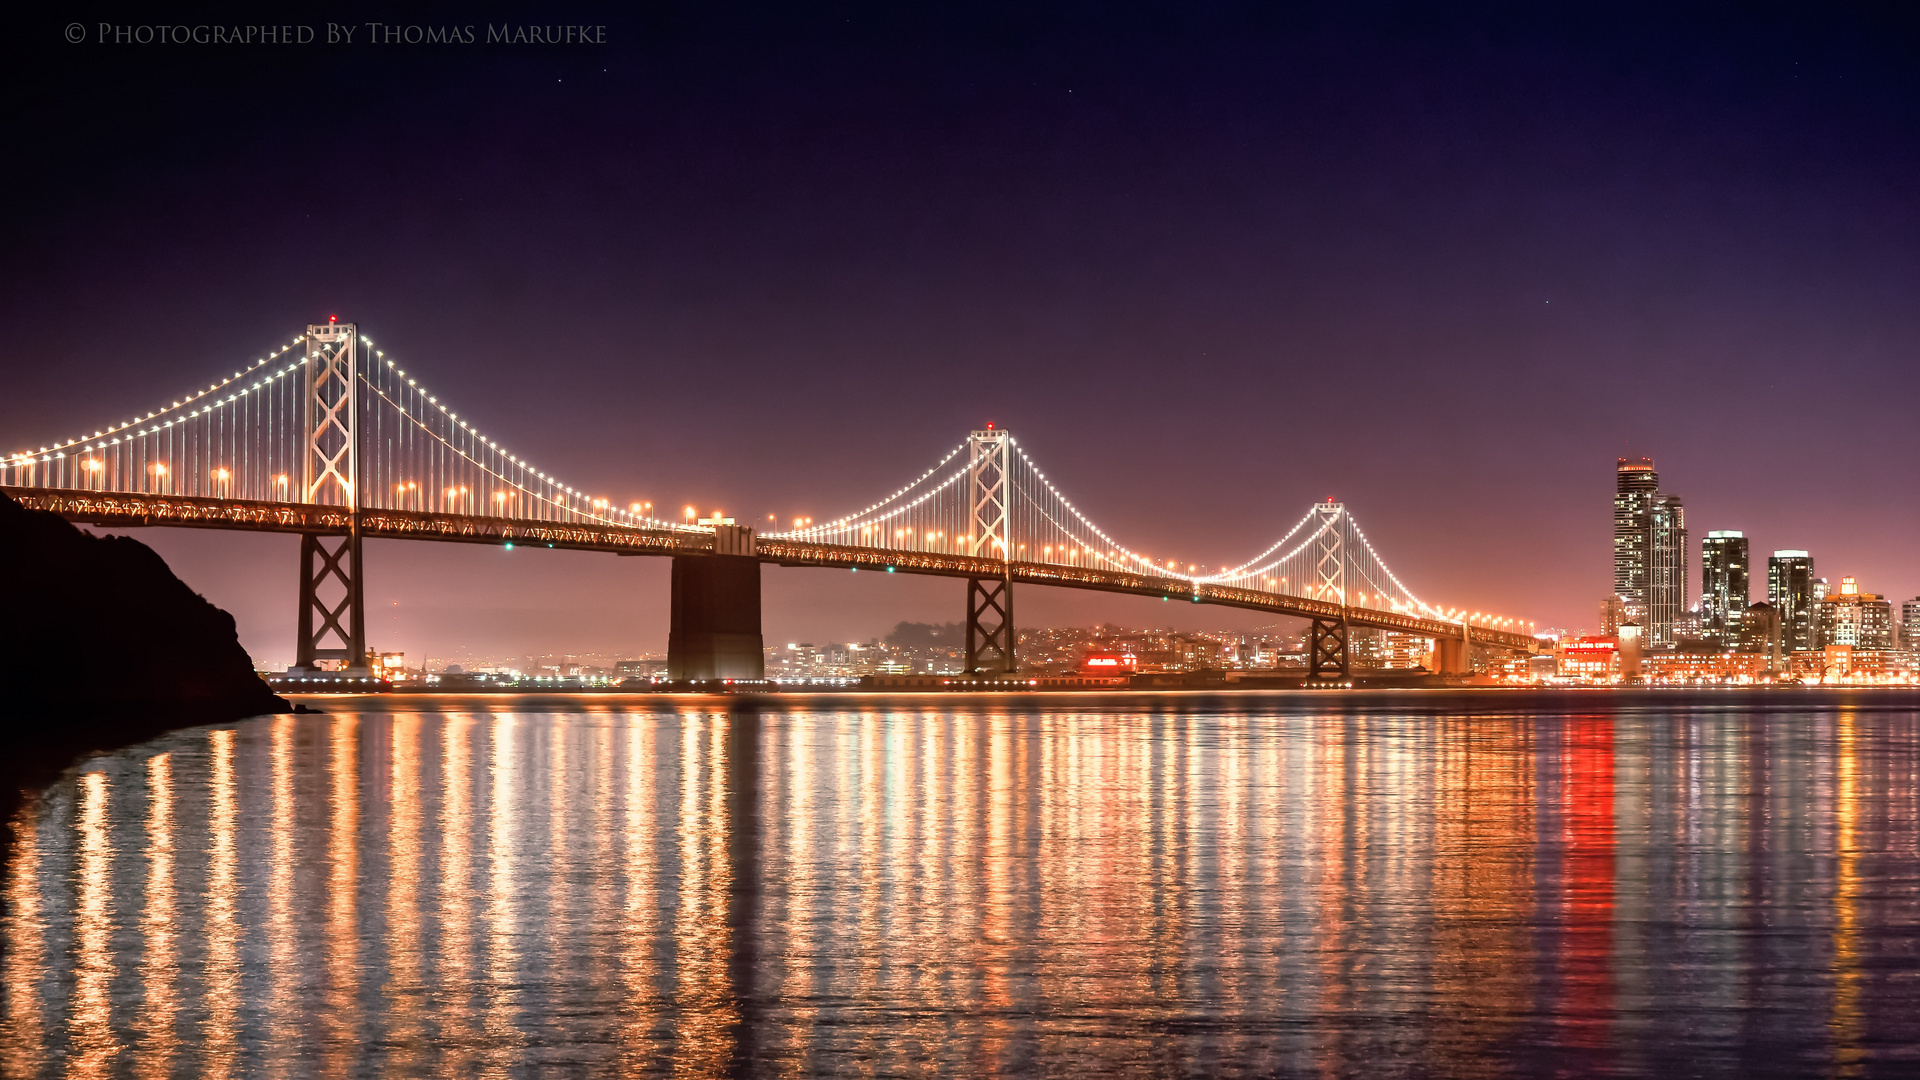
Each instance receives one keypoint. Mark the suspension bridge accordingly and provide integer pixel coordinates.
(330, 438)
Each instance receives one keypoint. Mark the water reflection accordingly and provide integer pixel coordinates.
(159, 964)
(90, 1031)
(284, 969)
(923, 890)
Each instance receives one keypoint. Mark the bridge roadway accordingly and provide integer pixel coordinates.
(127, 510)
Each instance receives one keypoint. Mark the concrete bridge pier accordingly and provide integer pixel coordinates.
(1454, 657)
(715, 633)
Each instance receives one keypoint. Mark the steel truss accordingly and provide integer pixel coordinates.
(328, 560)
(990, 634)
(1330, 554)
(1327, 654)
(987, 495)
(330, 457)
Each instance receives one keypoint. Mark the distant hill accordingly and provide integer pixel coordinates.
(103, 646)
(919, 635)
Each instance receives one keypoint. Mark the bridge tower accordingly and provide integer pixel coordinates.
(332, 616)
(1327, 652)
(990, 633)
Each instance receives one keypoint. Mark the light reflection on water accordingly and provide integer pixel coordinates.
(925, 886)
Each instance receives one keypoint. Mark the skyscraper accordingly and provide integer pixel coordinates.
(1635, 484)
(1790, 591)
(1723, 586)
(1910, 623)
(1851, 617)
(1666, 569)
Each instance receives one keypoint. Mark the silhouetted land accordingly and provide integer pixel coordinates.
(104, 647)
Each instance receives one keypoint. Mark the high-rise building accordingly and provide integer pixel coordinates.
(1613, 612)
(1760, 633)
(1723, 586)
(1910, 623)
(1666, 569)
(1635, 484)
(1790, 591)
(1851, 617)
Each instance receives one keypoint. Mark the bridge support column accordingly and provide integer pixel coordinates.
(1327, 655)
(1452, 657)
(328, 563)
(715, 634)
(990, 635)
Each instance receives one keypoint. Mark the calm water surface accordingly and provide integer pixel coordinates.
(1154, 885)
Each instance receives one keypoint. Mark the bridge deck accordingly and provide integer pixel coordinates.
(127, 510)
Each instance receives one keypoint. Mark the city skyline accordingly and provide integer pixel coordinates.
(1652, 566)
(946, 233)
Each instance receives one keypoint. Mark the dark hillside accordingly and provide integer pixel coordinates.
(103, 646)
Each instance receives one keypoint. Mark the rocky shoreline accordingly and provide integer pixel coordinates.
(108, 648)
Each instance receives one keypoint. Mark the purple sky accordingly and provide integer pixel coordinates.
(1208, 267)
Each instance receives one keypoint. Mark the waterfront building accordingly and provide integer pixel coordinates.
(1910, 624)
(1845, 664)
(1723, 585)
(1856, 619)
(1589, 660)
(1635, 485)
(1666, 595)
(1109, 662)
(1790, 591)
(391, 666)
(1685, 667)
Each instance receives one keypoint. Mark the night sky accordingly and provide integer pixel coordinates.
(1208, 265)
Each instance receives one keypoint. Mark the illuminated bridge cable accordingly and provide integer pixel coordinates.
(436, 461)
(249, 437)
